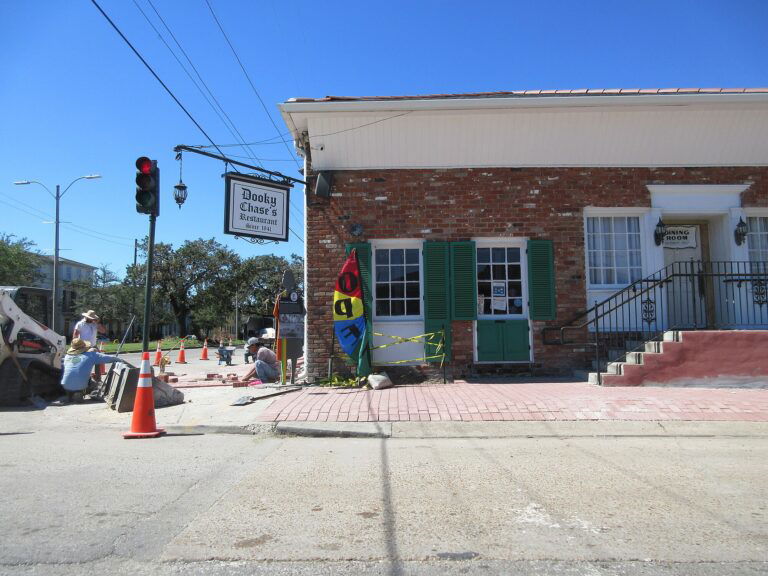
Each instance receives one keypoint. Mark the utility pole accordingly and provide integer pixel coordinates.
(148, 285)
(56, 312)
(148, 202)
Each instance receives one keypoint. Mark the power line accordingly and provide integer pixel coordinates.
(238, 136)
(47, 215)
(266, 142)
(248, 77)
(140, 57)
(168, 90)
(68, 227)
(363, 125)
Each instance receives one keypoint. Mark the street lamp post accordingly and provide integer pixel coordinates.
(55, 316)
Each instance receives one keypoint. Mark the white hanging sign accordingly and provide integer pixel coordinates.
(255, 207)
(679, 237)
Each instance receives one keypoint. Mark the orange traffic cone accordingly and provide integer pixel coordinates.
(143, 420)
(204, 355)
(158, 355)
(182, 359)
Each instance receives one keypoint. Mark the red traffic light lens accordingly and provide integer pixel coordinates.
(144, 165)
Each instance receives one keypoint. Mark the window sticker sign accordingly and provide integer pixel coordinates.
(255, 207)
(679, 237)
(499, 296)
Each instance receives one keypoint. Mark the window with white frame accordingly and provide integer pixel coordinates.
(397, 282)
(757, 238)
(499, 281)
(613, 250)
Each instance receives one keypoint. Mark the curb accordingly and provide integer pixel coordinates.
(335, 429)
(196, 430)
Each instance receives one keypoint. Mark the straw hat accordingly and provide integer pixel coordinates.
(91, 315)
(78, 346)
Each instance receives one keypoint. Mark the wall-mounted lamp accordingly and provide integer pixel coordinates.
(356, 229)
(659, 232)
(740, 233)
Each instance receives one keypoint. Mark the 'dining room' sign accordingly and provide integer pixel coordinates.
(678, 237)
(255, 207)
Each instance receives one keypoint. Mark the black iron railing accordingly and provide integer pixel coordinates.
(695, 295)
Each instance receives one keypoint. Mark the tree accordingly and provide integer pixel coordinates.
(104, 293)
(19, 263)
(195, 267)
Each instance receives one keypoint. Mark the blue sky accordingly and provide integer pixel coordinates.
(75, 100)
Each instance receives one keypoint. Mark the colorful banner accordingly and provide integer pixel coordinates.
(349, 314)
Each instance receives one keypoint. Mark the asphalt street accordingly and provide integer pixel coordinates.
(84, 501)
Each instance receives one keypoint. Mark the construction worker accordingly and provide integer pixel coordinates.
(78, 364)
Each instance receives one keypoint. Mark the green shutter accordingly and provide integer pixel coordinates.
(503, 341)
(490, 341)
(364, 262)
(463, 281)
(541, 280)
(517, 347)
(437, 309)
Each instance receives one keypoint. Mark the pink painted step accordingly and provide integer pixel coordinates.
(697, 355)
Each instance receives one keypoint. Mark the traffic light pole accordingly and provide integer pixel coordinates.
(148, 286)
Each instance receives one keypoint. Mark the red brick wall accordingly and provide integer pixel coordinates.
(459, 204)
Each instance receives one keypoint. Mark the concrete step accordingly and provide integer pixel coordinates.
(672, 336)
(634, 358)
(614, 367)
(654, 347)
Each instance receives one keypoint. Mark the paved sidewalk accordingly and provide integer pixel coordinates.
(464, 401)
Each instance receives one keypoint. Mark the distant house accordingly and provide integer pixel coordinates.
(499, 220)
(70, 273)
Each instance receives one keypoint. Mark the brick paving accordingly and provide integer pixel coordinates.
(467, 401)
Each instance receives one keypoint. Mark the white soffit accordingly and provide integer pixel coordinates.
(722, 130)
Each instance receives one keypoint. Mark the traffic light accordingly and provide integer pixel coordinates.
(147, 186)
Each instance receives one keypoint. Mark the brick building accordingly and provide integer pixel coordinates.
(495, 216)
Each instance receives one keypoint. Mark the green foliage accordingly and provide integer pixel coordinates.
(19, 262)
(337, 381)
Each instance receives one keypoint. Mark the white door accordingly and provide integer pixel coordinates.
(684, 296)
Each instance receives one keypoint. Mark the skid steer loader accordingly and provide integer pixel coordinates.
(30, 352)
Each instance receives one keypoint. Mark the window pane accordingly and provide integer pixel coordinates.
(592, 242)
(498, 255)
(382, 308)
(622, 276)
(514, 290)
(382, 256)
(633, 241)
(382, 291)
(634, 258)
(633, 224)
(397, 290)
(412, 290)
(397, 273)
(398, 308)
(594, 259)
(513, 254)
(513, 309)
(484, 289)
(619, 226)
(513, 271)
(412, 256)
(606, 225)
(621, 259)
(607, 259)
(483, 272)
(396, 257)
(412, 307)
(499, 272)
(592, 225)
(483, 254)
(382, 273)
(412, 273)
(594, 276)
(609, 277)
(620, 242)
(606, 242)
